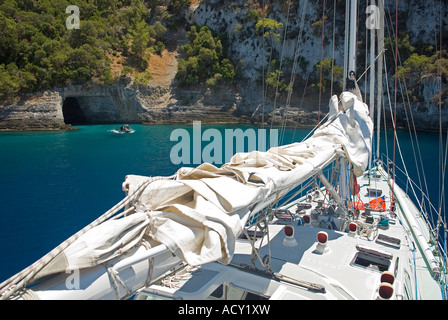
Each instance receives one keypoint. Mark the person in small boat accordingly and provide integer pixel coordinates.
(125, 127)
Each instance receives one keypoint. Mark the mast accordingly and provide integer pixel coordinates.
(347, 23)
(352, 36)
(372, 10)
(351, 9)
(372, 63)
(380, 75)
(350, 53)
(350, 83)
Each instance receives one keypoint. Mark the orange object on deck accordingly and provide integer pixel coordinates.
(378, 204)
(358, 205)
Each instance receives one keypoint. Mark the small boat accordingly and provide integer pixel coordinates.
(123, 129)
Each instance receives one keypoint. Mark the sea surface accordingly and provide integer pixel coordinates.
(55, 183)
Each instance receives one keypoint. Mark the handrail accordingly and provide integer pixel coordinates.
(433, 210)
(431, 206)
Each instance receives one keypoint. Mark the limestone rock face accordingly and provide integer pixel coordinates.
(104, 103)
(121, 103)
(118, 103)
(39, 112)
(162, 101)
(424, 112)
(48, 110)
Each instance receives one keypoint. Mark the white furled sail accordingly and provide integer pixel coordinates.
(99, 245)
(199, 213)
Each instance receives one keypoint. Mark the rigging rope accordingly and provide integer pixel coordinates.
(263, 78)
(427, 216)
(392, 34)
(367, 69)
(397, 144)
(333, 47)
(395, 93)
(443, 162)
(321, 60)
(405, 90)
(419, 164)
(297, 59)
(281, 57)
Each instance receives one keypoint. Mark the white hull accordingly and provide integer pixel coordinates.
(132, 270)
(122, 131)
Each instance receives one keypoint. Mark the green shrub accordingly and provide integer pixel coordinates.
(329, 69)
(204, 59)
(269, 28)
(414, 67)
(143, 78)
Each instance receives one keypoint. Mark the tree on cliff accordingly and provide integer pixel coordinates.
(330, 71)
(204, 60)
(418, 67)
(140, 39)
(9, 83)
(269, 28)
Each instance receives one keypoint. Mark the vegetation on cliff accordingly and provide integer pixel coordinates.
(117, 37)
(204, 60)
(418, 67)
(38, 51)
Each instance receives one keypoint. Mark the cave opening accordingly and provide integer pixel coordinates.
(73, 114)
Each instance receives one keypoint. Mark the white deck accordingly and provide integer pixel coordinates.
(333, 268)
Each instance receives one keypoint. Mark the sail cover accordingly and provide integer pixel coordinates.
(199, 213)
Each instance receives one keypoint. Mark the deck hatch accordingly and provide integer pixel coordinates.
(388, 241)
(370, 261)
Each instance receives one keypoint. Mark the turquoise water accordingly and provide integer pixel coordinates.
(55, 183)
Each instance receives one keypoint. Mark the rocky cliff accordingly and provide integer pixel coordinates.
(163, 101)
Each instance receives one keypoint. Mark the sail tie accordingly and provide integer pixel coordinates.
(115, 279)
